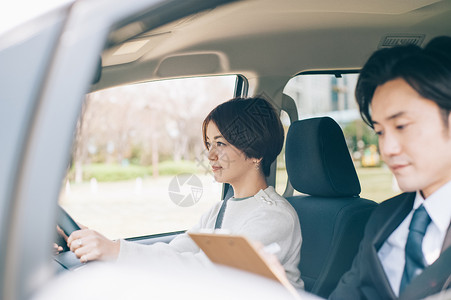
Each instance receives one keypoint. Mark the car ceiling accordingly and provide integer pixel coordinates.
(266, 38)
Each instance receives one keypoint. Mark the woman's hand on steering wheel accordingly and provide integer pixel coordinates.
(89, 245)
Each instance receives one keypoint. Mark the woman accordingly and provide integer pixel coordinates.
(243, 137)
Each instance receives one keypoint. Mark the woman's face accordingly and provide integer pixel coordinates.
(229, 165)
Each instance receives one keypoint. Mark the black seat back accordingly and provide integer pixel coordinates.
(331, 213)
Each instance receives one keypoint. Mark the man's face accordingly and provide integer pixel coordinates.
(413, 140)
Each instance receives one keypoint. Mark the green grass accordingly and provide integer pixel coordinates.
(376, 183)
(114, 172)
(172, 168)
(117, 172)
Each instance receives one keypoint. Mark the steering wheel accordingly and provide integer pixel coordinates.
(65, 221)
(66, 259)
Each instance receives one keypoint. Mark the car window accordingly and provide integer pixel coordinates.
(138, 164)
(330, 95)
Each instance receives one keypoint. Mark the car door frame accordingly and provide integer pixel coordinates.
(28, 206)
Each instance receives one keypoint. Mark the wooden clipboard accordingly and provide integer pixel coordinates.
(238, 252)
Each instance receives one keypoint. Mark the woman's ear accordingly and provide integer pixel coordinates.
(257, 160)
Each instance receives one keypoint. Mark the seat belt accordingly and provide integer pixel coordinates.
(218, 223)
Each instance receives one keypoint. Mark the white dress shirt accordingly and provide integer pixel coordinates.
(392, 252)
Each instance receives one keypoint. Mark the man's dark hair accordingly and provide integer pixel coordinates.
(427, 71)
(251, 125)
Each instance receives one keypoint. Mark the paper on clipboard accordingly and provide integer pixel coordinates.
(238, 252)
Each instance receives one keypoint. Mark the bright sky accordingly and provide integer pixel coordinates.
(15, 12)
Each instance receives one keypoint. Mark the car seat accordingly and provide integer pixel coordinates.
(331, 213)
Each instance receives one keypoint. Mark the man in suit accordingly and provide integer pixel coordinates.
(404, 93)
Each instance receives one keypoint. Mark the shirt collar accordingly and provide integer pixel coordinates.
(438, 206)
(266, 193)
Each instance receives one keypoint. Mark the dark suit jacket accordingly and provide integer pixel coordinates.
(367, 279)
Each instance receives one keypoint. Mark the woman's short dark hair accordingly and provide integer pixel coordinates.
(427, 70)
(252, 125)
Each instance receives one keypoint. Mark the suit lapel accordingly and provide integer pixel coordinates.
(447, 241)
(432, 280)
(393, 221)
(395, 218)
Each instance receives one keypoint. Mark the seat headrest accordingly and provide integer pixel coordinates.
(318, 161)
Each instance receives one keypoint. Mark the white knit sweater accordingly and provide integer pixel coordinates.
(266, 217)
